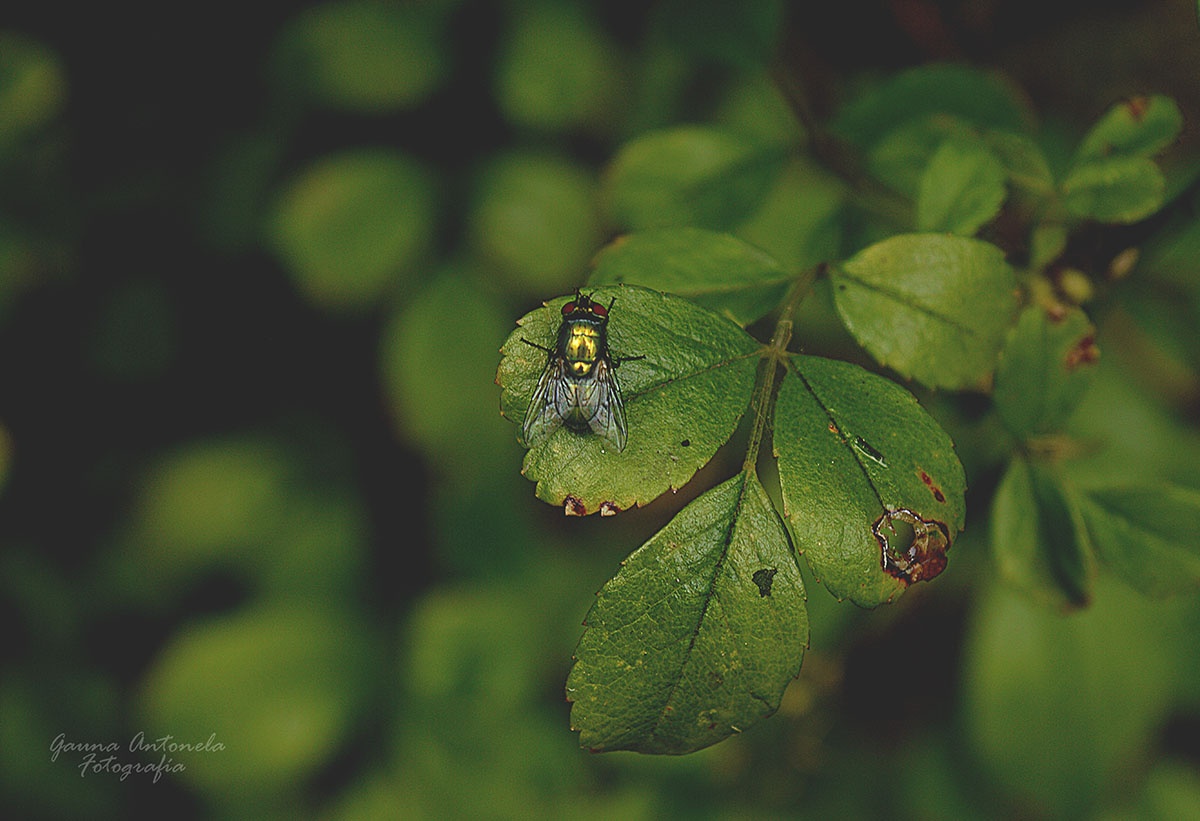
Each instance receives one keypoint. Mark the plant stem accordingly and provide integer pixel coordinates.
(773, 356)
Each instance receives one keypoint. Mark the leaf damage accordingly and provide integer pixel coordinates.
(923, 557)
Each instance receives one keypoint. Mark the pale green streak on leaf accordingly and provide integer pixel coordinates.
(1044, 369)
(1119, 189)
(699, 633)
(689, 175)
(933, 307)
(718, 271)
(977, 97)
(682, 401)
(1140, 127)
(1039, 540)
(1147, 534)
(350, 226)
(961, 189)
(852, 446)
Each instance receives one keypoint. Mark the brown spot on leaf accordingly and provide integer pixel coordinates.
(1083, 352)
(1138, 106)
(1056, 312)
(833, 428)
(609, 509)
(934, 489)
(572, 506)
(918, 553)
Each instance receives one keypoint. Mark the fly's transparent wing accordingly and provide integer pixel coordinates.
(544, 414)
(606, 409)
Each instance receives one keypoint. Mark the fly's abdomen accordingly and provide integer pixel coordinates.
(581, 400)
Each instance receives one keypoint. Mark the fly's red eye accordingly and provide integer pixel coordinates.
(599, 310)
(569, 308)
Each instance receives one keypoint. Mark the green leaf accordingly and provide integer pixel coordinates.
(365, 57)
(694, 359)
(349, 227)
(1038, 537)
(277, 687)
(1046, 365)
(437, 407)
(33, 86)
(802, 220)
(899, 157)
(557, 68)
(977, 97)
(1120, 189)
(1060, 710)
(933, 307)
(1047, 242)
(1024, 161)
(699, 633)
(535, 218)
(1147, 535)
(1139, 127)
(872, 488)
(718, 271)
(961, 189)
(690, 175)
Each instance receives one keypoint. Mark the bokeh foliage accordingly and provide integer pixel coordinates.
(253, 477)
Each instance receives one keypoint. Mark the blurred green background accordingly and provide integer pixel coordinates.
(256, 263)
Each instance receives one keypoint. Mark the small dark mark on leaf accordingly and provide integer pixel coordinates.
(609, 509)
(1083, 352)
(686, 443)
(934, 489)
(764, 578)
(1056, 312)
(924, 555)
(572, 506)
(833, 428)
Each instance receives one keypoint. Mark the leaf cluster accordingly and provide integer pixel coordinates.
(862, 481)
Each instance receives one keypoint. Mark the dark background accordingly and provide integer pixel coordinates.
(154, 343)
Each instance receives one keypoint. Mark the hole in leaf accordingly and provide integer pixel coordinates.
(912, 549)
(764, 578)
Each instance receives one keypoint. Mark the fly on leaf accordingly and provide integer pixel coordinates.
(578, 387)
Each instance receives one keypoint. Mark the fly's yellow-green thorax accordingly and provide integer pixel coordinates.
(582, 348)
